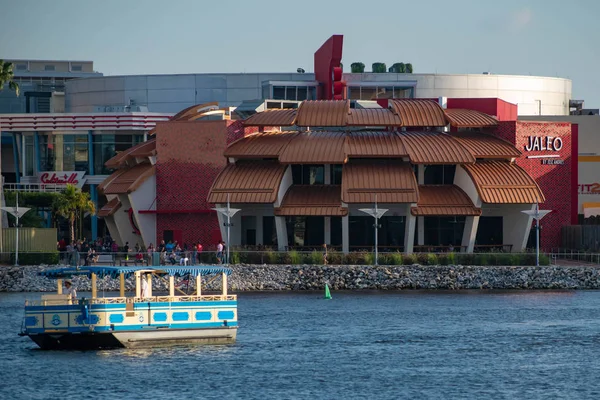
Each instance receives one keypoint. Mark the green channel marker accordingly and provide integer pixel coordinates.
(327, 294)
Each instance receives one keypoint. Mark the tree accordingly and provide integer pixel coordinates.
(357, 67)
(379, 67)
(409, 68)
(6, 76)
(399, 68)
(70, 203)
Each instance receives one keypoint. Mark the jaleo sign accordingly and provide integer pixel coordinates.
(63, 178)
(543, 143)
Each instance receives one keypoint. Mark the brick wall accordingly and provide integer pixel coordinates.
(190, 156)
(554, 180)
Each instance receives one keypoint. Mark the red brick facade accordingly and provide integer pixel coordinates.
(555, 180)
(190, 156)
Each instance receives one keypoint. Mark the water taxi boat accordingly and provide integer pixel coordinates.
(59, 322)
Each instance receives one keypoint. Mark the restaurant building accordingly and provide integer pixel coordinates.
(453, 173)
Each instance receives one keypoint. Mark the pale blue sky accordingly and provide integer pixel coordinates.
(537, 37)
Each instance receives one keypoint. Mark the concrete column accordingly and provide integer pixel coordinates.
(345, 234)
(37, 165)
(469, 234)
(421, 231)
(327, 230)
(409, 233)
(282, 238)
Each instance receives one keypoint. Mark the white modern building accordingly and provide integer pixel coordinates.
(534, 95)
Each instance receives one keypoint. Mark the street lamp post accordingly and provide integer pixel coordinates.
(227, 212)
(375, 213)
(537, 214)
(17, 212)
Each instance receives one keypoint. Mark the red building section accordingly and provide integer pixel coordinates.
(547, 155)
(190, 158)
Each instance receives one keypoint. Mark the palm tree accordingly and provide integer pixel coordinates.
(71, 203)
(6, 76)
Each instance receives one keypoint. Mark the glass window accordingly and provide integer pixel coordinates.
(306, 231)
(443, 231)
(336, 174)
(21, 67)
(336, 231)
(269, 231)
(279, 92)
(308, 174)
(354, 93)
(368, 93)
(312, 93)
(75, 153)
(76, 68)
(385, 92)
(313, 174)
(47, 154)
(29, 156)
(49, 68)
(439, 174)
(290, 93)
(302, 93)
(107, 145)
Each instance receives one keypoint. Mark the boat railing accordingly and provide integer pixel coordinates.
(127, 300)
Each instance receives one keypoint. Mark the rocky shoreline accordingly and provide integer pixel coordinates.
(347, 277)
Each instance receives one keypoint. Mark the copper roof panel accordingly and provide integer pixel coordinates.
(374, 144)
(373, 117)
(462, 118)
(130, 179)
(435, 148)
(285, 117)
(146, 149)
(110, 208)
(393, 182)
(110, 178)
(323, 113)
(440, 200)
(315, 147)
(260, 145)
(502, 182)
(419, 113)
(312, 200)
(482, 145)
(248, 182)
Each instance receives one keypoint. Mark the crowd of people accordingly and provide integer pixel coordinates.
(86, 252)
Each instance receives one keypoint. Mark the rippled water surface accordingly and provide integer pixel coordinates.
(501, 345)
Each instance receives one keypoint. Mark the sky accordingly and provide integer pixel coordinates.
(555, 38)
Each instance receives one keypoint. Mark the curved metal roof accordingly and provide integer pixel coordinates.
(501, 182)
(419, 113)
(463, 118)
(435, 148)
(444, 200)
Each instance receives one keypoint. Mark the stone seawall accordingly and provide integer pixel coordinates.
(347, 277)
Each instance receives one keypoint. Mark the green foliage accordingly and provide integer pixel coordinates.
(409, 68)
(235, 257)
(272, 257)
(379, 67)
(482, 259)
(395, 258)
(316, 258)
(335, 258)
(295, 258)
(368, 259)
(7, 75)
(33, 200)
(451, 258)
(442, 259)
(544, 259)
(71, 203)
(398, 68)
(357, 68)
(432, 259)
(409, 259)
(36, 258)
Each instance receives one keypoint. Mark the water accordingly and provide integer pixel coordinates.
(500, 345)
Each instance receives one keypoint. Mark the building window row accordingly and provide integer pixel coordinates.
(60, 152)
(297, 93)
(379, 92)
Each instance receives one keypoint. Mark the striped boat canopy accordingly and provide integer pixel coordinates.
(114, 272)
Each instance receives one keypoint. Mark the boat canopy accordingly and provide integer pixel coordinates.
(114, 272)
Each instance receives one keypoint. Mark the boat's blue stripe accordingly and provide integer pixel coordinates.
(140, 327)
